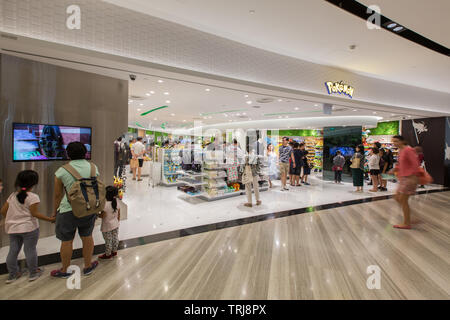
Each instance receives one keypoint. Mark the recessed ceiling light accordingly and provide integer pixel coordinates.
(148, 94)
(374, 112)
(207, 89)
(155, 119)
(279, 100)
(160, 81)
(184, 120)
(225, 115)
(244, 114)
(392, 114)
(173, 114)
(139, 109)
(316, 105)
(141, 104)
(131, 101)
(166, 93)
(409, 116)
(391, 25)
(355, 109)
(167, 101)
(296, 108)
(246, 96)
(249, 102)
(398, 29)
(238, 114)
(152, 92)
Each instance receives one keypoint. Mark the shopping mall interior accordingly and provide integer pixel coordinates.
(220, 85)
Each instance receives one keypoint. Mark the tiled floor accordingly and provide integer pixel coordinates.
(161, 209)
(316, 255)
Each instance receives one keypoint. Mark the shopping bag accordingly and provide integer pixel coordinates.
(424, 177)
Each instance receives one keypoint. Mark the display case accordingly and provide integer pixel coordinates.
(171, 165)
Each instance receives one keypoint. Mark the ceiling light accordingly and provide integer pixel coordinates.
(225, 115)
(244, 113)
(207, 89)
(160, 81)
(374, 112)
(141, 104)
(184, 120)
(147, 94)
(287, 117)
(279, 100)
(399, 28)
(409, 116)
(230, 120)
(167, 101)
(238, 114)
(316, 105)
(391, 25)
(131, 101)
(155, 119)
(139, 109)
(166, 93)
(355, 109)
(249, 102)
(173, 114)
(152, 92)
(392, 114)
(280, 117)
(296, 108)
(246, 96)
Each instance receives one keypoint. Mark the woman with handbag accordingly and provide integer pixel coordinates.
(357, 167)
(338, 165)
(250, 175)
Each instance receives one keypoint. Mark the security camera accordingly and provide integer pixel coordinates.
(133, 77)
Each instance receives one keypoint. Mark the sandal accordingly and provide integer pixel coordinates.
(400, 226)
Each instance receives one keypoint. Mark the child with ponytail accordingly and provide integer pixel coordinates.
(22, 226)
(110, 223)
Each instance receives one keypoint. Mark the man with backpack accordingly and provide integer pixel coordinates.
(79, 197)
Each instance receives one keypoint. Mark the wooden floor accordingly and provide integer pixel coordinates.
(318, 255)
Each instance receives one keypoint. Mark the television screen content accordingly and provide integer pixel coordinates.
(345, 151)
(40, 142)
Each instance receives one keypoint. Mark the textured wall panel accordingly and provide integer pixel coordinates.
(115, 30)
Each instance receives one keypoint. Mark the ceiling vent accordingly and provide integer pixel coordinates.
(132, 97)
(265, 100)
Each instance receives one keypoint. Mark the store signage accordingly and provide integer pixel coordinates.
(340, 88)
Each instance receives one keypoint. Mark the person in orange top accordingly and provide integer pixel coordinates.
(406, 170)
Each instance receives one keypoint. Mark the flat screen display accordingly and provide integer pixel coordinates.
(42, 142)
(345, 151)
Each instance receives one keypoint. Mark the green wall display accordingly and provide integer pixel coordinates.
(390, 128)
(297, 133)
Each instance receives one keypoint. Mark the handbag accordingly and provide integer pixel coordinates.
(424, 177)
(336, 168)
(355, 163)
(247, 177)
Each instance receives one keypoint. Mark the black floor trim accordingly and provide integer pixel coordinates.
(129, 243)
(360, 10)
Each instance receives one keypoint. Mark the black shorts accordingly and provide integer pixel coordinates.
(294, 171)
(375, 172)
(141, 163)
(67, 224)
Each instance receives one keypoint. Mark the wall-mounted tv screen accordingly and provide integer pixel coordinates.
(345, 151)
(43, 142)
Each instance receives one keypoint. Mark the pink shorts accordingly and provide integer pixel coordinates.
(407, 185)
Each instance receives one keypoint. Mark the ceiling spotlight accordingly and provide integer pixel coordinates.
(249, 102)
(238, 114)
(167, 101)
(173, 114)
(131, 101)
(316, 105)
(160, 81)
(409, 116)
(391, 25)
(355, 110)
(166, 93)
(279, 100)
(152, 92)
(141, 104)
(296, 108)
(184, 120)
(244, 113)
(398, 29)
(139, 109)
(246, 96)
(207, 89)
(392, 114)
(155, 119)
(225, 115)
(147, 94)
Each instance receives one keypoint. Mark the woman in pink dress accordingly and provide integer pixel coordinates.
(407, 170)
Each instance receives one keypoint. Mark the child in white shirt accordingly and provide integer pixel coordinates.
(110, 223)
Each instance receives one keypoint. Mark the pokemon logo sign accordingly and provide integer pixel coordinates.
(339, 87)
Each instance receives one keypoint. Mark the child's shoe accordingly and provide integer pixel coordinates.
(105, 257)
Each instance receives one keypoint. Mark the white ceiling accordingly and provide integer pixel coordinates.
(190, 102)
(319, 32)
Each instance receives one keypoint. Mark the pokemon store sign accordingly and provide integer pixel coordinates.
(340, 88)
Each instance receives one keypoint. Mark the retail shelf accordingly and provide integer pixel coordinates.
(222, 196)
(191, 183)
